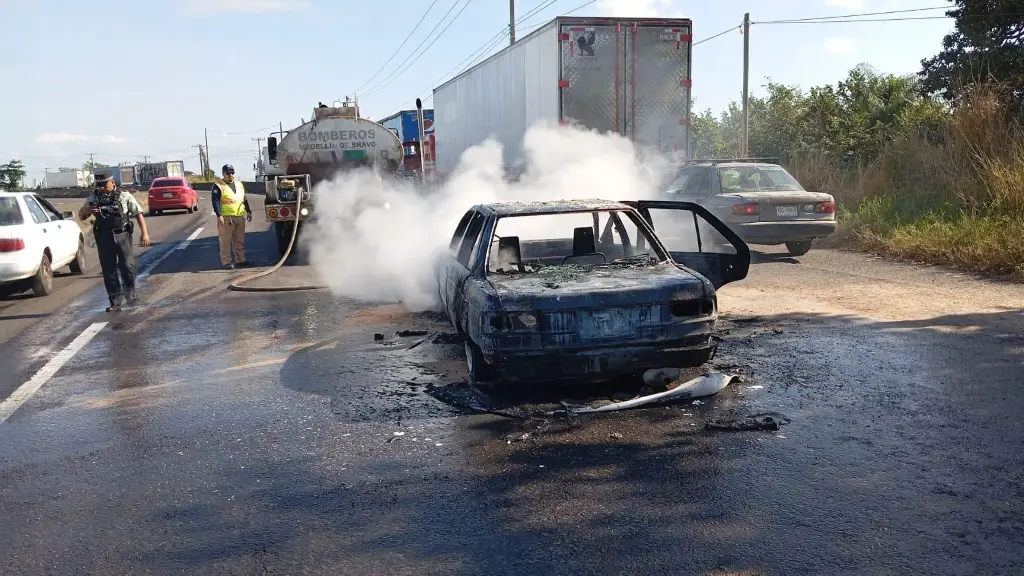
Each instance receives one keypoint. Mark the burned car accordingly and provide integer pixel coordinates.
(585, 289)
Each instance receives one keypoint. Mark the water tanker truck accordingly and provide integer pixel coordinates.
(335, 140)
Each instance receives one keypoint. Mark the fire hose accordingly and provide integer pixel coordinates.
(237, 284)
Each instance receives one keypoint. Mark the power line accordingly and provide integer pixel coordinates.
(399, 49)
(398, 69)
(489, 44)
(250, 131)
(905, 19)
(722, 33)
(835, 18)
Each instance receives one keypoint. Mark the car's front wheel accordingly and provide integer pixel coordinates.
(799, 248)
(77, 265)
(478, 368)
(42, 282)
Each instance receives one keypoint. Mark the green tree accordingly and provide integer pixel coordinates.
(12, 175)
(986, 45)
(90, 165)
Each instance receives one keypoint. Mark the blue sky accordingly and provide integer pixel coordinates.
(123, 78)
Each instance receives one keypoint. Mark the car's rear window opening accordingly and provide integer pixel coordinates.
(536, 242)
(168, 183)
(10, 212)
(757, 178)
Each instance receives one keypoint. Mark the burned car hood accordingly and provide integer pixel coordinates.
(574, 286)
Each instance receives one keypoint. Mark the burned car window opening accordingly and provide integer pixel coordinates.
(470, 238)
(460, 231)
(532, 243)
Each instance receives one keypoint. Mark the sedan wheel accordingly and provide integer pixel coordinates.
(478, 369)
(78, 264)
(42, 282)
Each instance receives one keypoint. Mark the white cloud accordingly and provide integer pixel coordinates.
(111, 139)
(639, 8)
(852, 4)
(58, 137)
(240, 6)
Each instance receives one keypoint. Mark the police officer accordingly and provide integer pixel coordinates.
(232, 210)
(114, 209)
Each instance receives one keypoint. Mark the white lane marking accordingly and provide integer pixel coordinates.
(189, 240)
(26, 390)
(142, 276)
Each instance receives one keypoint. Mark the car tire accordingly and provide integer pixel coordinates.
(799, 248)
(78, 265)
(478, 368)
(42, 282)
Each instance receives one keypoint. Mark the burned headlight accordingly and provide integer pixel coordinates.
(514, 321)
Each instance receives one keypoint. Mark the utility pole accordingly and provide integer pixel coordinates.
(202, 160)
(92, 165)
(206, 138)
(744, 152)
(511, 22)
(145, 159)
(259, 156)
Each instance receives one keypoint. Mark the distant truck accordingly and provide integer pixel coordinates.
(629, 76)
(146, 173)
(68, 179)
(336, 139)
(406, 125)
(123, 175)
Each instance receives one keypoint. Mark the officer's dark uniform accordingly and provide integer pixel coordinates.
(113, 230)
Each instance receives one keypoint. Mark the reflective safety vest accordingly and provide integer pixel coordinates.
(232, 202)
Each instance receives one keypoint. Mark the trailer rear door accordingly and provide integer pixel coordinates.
(630, 77)
(658, 101)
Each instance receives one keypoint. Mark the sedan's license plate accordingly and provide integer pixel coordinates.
(602, 324)
(785, 211)
(168, 195)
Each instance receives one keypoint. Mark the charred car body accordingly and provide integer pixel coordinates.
(585, 289)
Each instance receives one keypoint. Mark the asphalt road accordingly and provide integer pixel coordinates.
(209, 431)
(19, 309)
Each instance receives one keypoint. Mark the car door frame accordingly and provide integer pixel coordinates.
(69, 231)
(52, 237)
(442, 266)
(458, 273)
(720, 269)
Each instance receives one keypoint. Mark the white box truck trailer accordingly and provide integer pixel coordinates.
(629, 76)
(68, 179)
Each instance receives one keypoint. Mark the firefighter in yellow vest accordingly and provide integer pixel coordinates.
(232, 210)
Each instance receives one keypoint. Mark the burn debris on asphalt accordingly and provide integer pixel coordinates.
(770, 421)
(447, 338)
(407, 333)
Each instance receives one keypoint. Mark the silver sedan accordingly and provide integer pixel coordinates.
(762, 202)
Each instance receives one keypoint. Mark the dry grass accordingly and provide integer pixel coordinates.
(956, 198)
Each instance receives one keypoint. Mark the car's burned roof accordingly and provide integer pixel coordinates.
(553, 207)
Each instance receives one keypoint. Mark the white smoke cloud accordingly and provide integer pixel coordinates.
(377, 240)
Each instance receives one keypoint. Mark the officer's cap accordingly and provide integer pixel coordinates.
(102, 178)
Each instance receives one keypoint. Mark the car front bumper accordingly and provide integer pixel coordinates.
(782, 232)
(601, 363)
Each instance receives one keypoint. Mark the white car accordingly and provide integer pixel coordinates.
(36, 239)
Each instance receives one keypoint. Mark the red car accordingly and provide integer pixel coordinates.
(172, 193)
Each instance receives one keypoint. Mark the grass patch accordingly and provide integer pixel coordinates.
(991, 244)
(952, 197)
